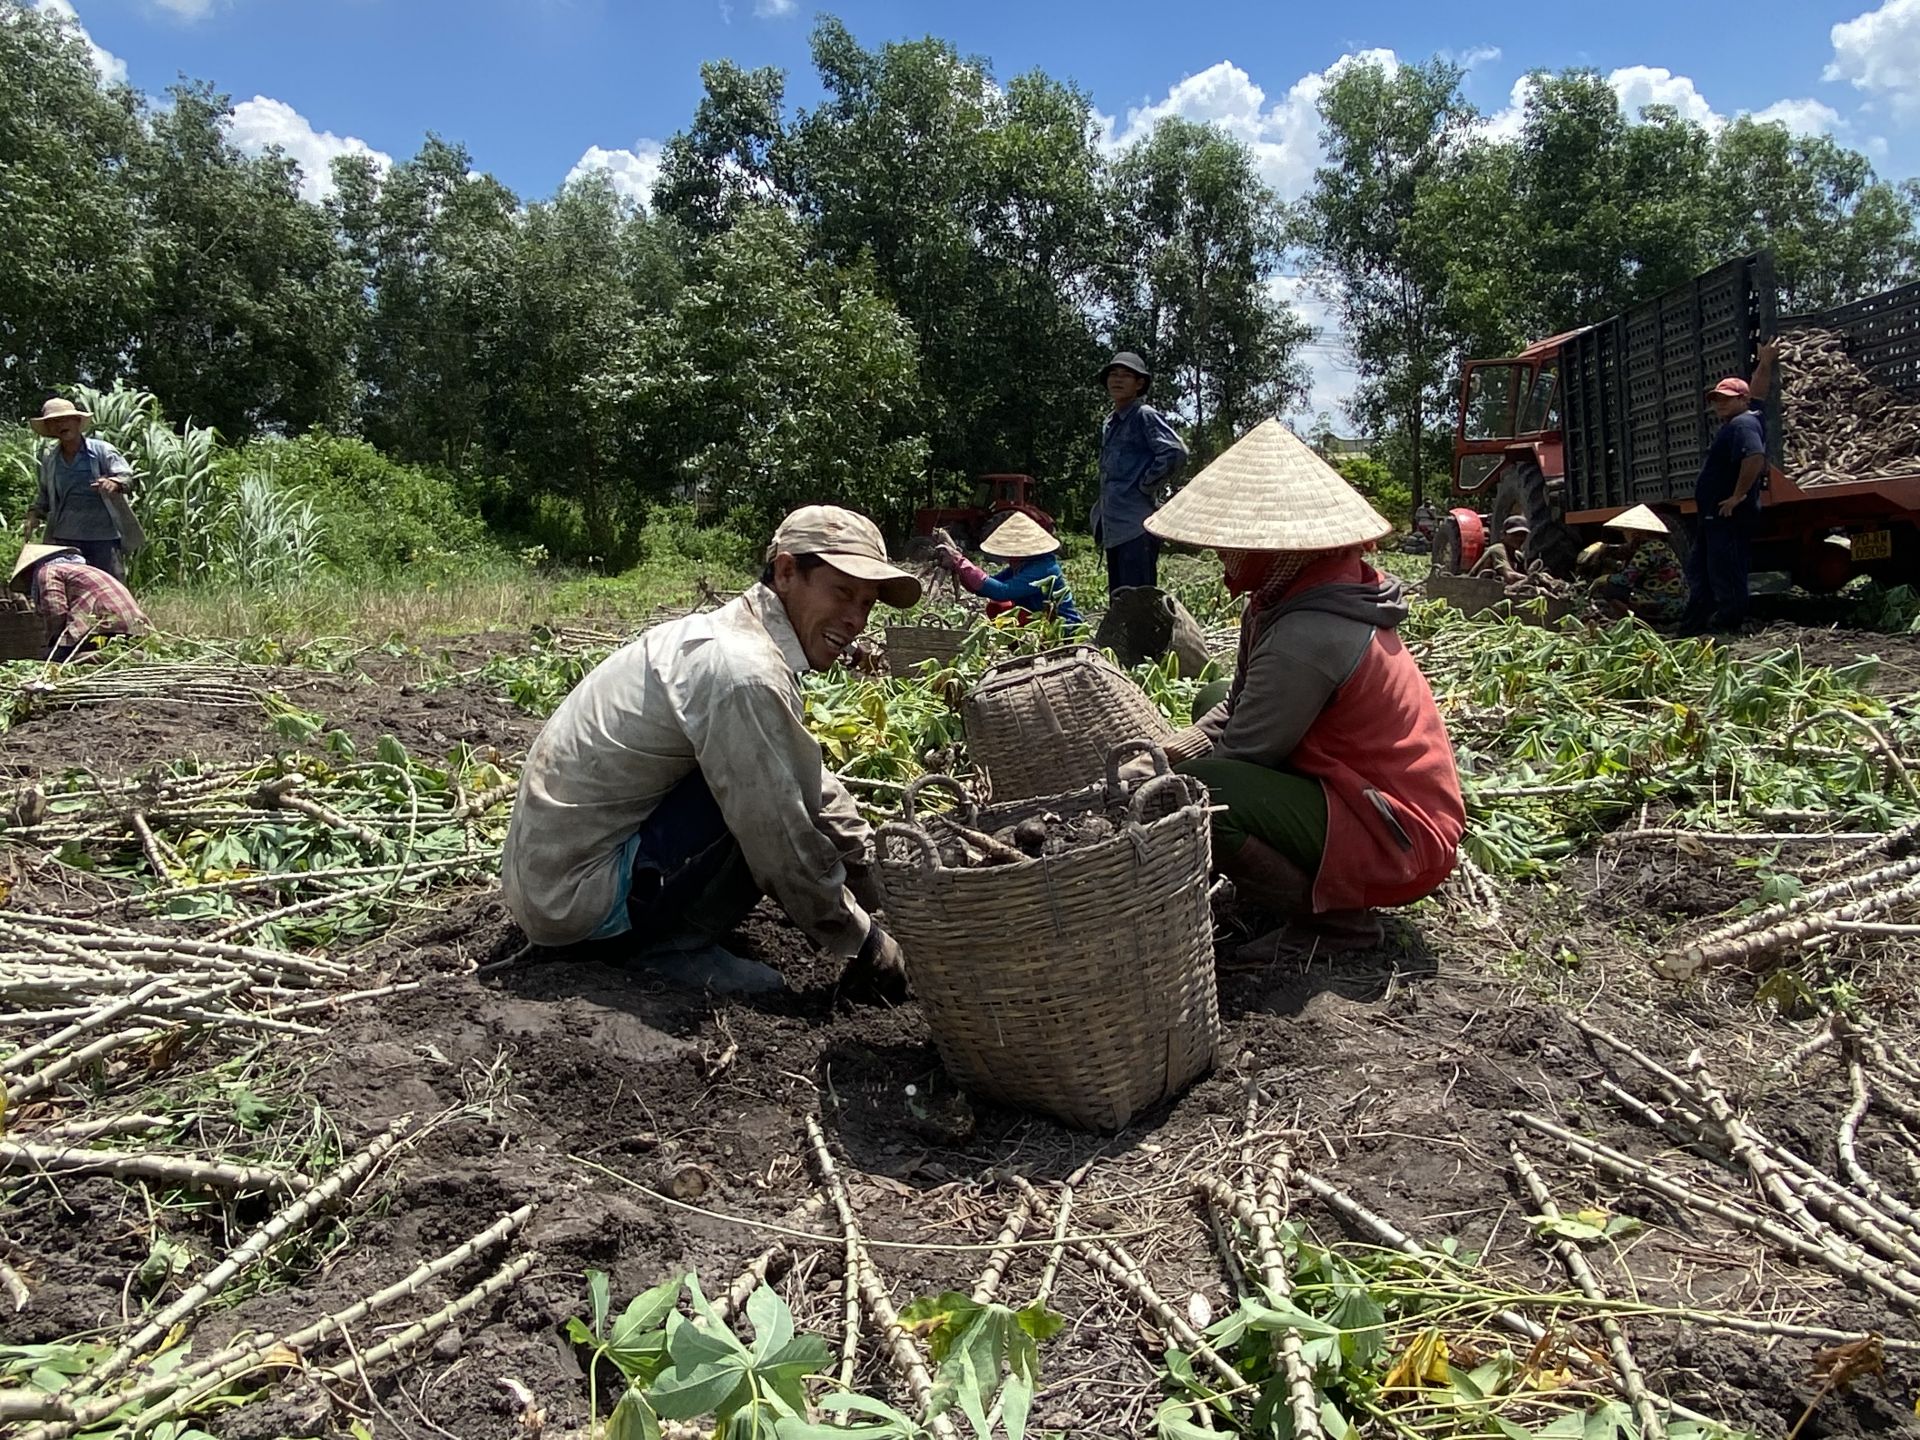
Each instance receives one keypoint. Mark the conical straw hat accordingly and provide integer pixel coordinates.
(1642, 518)
(30, 556)
(1269, 491)
(1018, 537)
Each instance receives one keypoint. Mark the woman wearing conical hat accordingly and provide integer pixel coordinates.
(1032, 584)
(1649, 580)
(1329, 753)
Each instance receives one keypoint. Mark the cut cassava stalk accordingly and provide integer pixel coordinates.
(256, 1245)
(900, 1347)
(1121, 1268)
(150, 846)
(755, 1273)
(1302, 1400)
(504, 1278)
(217, 1371)
(1765, 1173)
(43, 1078)
(74, 1130)
(1688, 1137)
(988, 1285)
(1846, 888)
(1868, 1272)
(1808, 925)
(484, 800)
(1896, 770)
(1822, 1039)
(16, 1063)
(1847, 1144)
(1632, 1382)
(20, 1157)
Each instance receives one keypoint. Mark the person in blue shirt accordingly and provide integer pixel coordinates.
(78, 479)
(1726, 499)
(1032, 584)
(1138, 453)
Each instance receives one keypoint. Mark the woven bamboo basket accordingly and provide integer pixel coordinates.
(911, 645)
(1079, 985)
(23, 630)
(1044, 724)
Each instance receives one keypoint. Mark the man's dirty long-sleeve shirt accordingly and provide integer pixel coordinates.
(715, 692)
(1138, 450)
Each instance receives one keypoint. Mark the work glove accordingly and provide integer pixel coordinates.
(864, 884)
(880, 967)
(948, 558)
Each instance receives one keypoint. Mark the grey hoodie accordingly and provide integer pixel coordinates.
(1304, 649)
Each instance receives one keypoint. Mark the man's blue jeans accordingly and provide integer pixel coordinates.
(687, 872)
(1717, 571)
(1136, 562)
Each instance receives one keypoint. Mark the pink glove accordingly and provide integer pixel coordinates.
(968, 573)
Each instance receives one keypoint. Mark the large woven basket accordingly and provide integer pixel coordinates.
(1044, 724)
(1079, 985)
(912, 645)
(23, 630)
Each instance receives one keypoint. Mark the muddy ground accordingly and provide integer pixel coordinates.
(588, 1088)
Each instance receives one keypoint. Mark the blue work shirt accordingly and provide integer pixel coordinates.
(1138, 450)
(1036, 583)
(74, 509)
(1736, 439)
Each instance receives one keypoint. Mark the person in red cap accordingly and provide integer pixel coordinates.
(1726, 497)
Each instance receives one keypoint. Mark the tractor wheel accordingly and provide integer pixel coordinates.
(1549, 540)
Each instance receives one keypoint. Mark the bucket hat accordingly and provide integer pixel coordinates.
(1127, 360)
(1269, 491)
(57, 409)
(849, 542)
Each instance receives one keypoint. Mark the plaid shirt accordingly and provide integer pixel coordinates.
(91, 601)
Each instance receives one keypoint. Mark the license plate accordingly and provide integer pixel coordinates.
(1873, 545)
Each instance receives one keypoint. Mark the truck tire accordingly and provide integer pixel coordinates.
(1548, 541)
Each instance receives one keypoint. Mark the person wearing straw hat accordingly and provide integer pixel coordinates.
(1329, 753)
(85, 600)
(80, 481)
(1033, 584)
(678, 782)
(1139, 452)
(1649, 580)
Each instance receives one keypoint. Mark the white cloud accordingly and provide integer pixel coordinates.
(1474, 56)
(1284, 137)
(775, 9)
(259, 124)
(110, 67)
(1802, 117)
(632, 172)
(187, 9)
(1879, 52)
(1506, 122)
(1641, 85)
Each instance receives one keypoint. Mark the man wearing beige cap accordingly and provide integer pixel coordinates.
(678, 782)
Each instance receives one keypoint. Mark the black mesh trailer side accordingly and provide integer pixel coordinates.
(1882, 333)
(1636, 417)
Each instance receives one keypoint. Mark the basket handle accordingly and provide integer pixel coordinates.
(1125, 750)
(923, 851)
(1013, 664)
(968, 810)
(1163, 784)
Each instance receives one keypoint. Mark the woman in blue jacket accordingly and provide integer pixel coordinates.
(1032, 584)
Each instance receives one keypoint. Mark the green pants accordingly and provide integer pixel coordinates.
(1285, 809)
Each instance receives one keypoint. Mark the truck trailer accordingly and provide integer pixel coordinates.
(1581, 426)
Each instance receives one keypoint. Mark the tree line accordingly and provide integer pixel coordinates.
(876, 297)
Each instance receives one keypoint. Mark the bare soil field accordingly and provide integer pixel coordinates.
(656, 1132)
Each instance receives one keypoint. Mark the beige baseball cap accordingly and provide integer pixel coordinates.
(849, 542)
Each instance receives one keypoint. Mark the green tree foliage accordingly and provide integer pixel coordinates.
(781, 381)
(979, 209)
(251, 306)
(724, 161)
(1394, 138)
(1200, 237)
(1835, 231)
(72, 276)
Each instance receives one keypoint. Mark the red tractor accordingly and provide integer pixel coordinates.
(995, 498)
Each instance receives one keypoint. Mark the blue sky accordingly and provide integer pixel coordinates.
(538, 88)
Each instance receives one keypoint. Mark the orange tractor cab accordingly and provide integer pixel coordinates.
(995, 498)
